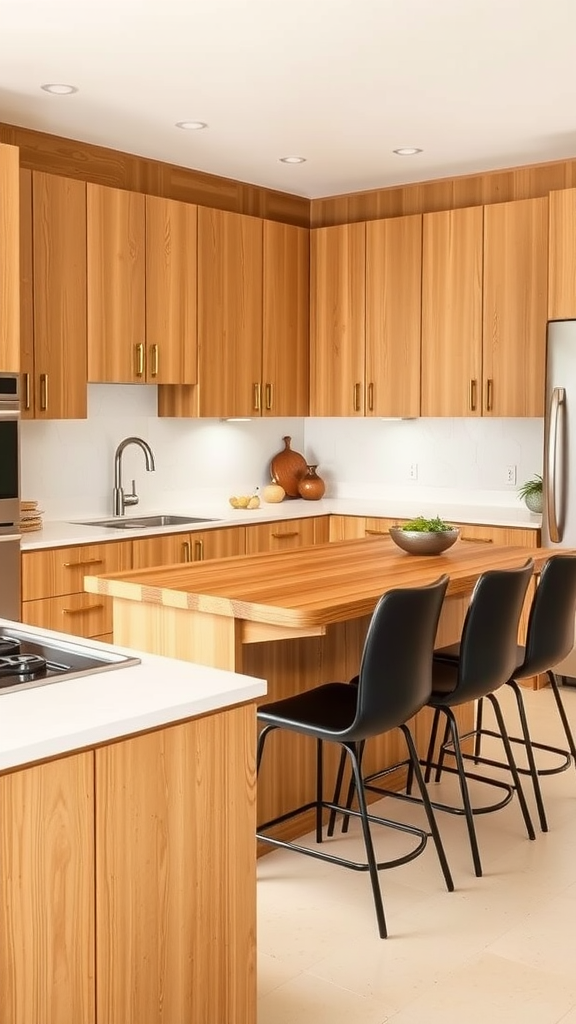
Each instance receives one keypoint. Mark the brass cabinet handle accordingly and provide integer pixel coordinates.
(43, 392)
(473, 393)
(87, 561)
(186, 551)
(371, 397)
(26, 391)
(80, 611)
(479, 540)
(489, 394)
(357, 397)
(269, 396)
(154, 360)
(376, 533)
(257, 397)
(284, 536)
(199, 551)
(139, 360)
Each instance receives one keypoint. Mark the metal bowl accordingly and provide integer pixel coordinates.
(417, 542)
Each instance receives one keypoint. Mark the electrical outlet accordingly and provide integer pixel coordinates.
(413, 470)
(511, 474)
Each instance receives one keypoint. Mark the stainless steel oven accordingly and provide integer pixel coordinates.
(9, 496)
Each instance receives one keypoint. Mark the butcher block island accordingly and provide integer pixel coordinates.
(296, 619)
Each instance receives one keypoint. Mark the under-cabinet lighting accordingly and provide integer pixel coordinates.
(407, 151)
(292, 159)
(59, 89)
(191, 126)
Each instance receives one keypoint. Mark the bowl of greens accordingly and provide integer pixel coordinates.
(422, 536)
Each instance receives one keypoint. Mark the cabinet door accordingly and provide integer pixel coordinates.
(337, 320)
(198, 546)
(229, 313)
(452, 313)
(59, 253)
(562, 255)
(515, 307)
(223, 543)
(285, 338)
(26, 296)
(279, 536)
(393, 316)
(171, 345)
(47, 961)
(9, 266)
(116, 285)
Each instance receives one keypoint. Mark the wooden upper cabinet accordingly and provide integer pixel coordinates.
(171, 344)
(452, 313)
(9, 260)
(229, 314)
(562, 255)
(116, 285)
(285, 335)
(515, 307)
(337, 320)
(393, 314)
(55, 385)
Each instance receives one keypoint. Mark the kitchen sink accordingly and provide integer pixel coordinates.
(143, 522)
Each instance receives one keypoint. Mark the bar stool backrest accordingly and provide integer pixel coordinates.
(550, 635)
(489, 642)
(395, 678)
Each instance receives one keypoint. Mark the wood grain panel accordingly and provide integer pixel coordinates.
(60, 353)
(54, 571)
(288, 533)
(562, 255)
(197, 546)
(47, 900)
(78, 614)
(285, 333)
(26, 296)
(171, 337)
(229, 313)
(515, 307)
(116, 284)
(224, 543)
(337, 320)
(393, 316)
(452, 313)
(176, 881)
(54, 154)
(530, 181)
(9, 260)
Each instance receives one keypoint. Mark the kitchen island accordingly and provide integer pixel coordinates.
(127, 852)
(296, 619)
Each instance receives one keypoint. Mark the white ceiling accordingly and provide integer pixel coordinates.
(477, 84)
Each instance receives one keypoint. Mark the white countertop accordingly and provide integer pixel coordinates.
(58, 533)
(65, 716)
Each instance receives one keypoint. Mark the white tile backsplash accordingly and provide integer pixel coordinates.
(68, 464)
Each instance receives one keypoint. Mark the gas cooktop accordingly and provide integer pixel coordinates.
(28, 660)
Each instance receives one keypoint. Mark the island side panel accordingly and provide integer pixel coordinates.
(176, 874)
(47, 893)
(201, 637)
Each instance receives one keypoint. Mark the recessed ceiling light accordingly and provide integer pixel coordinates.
(191, 126)
(292, 159)
(407, 151)
(59, 89)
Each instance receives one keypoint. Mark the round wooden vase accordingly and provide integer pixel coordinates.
(287, 468)
(311, 486)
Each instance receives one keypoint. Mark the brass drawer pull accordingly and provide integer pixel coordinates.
(473, 390)
(283, 536)
(489, 394)
(199, 551)
(87, 561)
(154, 360)
(356, 399)
(479, 540)
(80, 611)
(26, 391)
(186, 551)
(371, 397)
(257, 397)
(43, 392)
(269, 393)
(376, 533)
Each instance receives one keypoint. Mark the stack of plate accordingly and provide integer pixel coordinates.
(30, 516)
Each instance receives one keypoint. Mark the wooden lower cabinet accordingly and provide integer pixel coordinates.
(128, 880)
(188, 547)
(286, 533)
(53, 594)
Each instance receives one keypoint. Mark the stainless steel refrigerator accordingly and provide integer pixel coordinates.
(559, 512)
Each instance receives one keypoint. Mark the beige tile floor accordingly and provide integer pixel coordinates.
(501, 949)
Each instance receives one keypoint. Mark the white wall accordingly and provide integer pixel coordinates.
(68, 465)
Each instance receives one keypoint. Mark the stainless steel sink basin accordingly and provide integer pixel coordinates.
(143, 522)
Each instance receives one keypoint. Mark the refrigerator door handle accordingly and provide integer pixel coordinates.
(557, 400)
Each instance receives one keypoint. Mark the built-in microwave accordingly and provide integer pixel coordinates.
(9, 496)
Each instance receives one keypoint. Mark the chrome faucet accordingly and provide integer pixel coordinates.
(119, 499)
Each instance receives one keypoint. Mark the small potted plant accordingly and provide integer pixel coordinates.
(531, 493)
